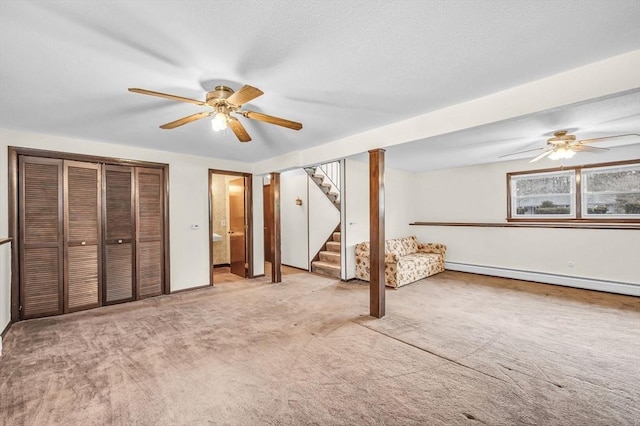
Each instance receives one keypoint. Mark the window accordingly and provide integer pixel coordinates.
(544, 195)
(587, 193)
(609, 192)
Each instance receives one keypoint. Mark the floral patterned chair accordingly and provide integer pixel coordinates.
(405, 259)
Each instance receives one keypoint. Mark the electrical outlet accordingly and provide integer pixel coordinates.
(223, 223)
(571, 264)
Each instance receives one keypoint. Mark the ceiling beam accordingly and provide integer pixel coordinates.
(596, 80)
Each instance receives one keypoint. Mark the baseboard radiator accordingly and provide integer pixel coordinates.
(564, 280)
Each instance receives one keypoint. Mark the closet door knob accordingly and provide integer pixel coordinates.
(119, 241)
(84, 243)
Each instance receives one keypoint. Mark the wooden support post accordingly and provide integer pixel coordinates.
(274, 199)
(376, 232)
(13, 233)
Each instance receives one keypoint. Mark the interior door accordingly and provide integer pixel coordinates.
(237, 246)
(268, 220)
(119, 241)
(82, 236)
(41, 237)
(149, 232)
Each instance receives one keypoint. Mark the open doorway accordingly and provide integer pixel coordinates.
(230, 226)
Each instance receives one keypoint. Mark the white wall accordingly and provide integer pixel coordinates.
(188, 181)
(258, 226)
(304, 228)
(479, 194)
(5, 283)
(294, 219)
(399, 199)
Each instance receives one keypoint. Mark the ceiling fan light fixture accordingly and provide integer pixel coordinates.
(219, 122)
(561, 153)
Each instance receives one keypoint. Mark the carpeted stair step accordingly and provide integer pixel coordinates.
(333, 196)
(330, 257)
(336, 236)
(333, 246)
(325, 268)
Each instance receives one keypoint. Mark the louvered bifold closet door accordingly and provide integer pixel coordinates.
(82, 235)
(119, 242)
(41, 237)
(150, 231)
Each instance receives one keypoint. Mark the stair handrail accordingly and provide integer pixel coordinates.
(332, 172)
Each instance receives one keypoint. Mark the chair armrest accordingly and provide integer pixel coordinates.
(391, 258)
(432, 248)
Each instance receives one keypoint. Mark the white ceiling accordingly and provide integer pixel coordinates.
(340, 68)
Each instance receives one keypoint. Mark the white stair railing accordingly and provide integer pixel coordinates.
(327, 178)
(332, 172)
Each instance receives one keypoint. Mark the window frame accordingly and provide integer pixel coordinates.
(579, 216)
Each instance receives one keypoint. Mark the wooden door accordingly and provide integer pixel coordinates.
(237, 244)
(82, 236)
(268, 220)
(119, 241)
(149, 232)
(41, 237)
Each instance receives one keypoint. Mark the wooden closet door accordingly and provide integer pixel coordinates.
(150, 232)
(119, 243)
(41, 237)
(82, 235)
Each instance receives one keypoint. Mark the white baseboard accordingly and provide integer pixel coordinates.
(564, 280)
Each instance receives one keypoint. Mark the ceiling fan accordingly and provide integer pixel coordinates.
(563, 145)
(223, 101)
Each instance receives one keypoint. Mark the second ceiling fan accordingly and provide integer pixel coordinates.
(564, 145)
(223, 101)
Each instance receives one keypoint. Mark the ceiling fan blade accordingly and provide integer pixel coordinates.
(521, 152)
(272, 120)
(238, 129)
(186, 120)
(167, 96)
(541, 156)
(607, 137)
(586, 148)
(244, 95)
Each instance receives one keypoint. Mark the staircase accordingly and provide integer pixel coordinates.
(329, 263)
(327, 177)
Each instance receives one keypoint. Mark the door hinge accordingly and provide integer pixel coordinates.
(20, 308)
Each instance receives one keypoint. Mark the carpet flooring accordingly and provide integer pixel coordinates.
(454, 349)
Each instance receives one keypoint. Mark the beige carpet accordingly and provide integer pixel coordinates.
(454, 349)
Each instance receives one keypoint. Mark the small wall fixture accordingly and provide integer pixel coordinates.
(298, 201)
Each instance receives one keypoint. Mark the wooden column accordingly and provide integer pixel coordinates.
(376, 232)
(274, 199)
(13, 234)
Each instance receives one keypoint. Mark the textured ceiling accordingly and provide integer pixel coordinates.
(616, 115)
(340, 68)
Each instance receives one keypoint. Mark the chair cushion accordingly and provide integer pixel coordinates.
(410, 244)
(395, 247)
